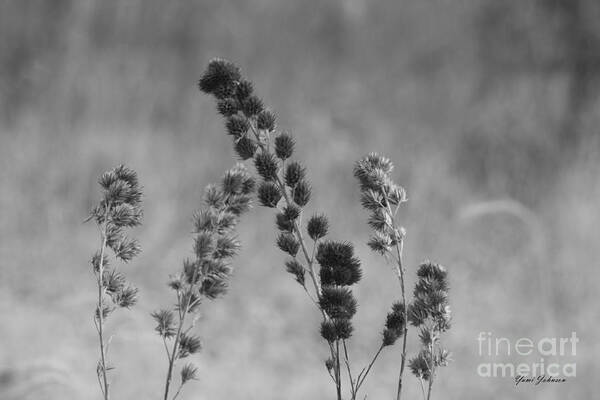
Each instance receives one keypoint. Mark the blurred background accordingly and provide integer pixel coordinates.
(489, 110)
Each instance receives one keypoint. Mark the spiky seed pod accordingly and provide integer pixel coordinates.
(228, 107)
(245, 147)
(338, 302)
(268, 194)
(294, 173)
(302, 193)
(239, 204)
(113, 281)
(204, 244)
(283, 223)
(332, 330)
(389, 337)
(395, 318)
(244, 90)
(371, 200)
(288, 243)
(296, 269)
(214, 197)
(426, 337)
(328, 331)
(95, 261)
(284, 145)
(126, 215)
(237, 126)
(417, 312)
(189, 344)
(343, 328)
(265, 120)
(396, 194)
(419, 365)
(126, 297)
(127, 249)
(338, 264)
(380, 220)
(165, 323)
(191, 271)
(188, 372)
(372, 171)
(237, 181)
(213, 286)
(432, 271)
(317, 226)
(380, 243)
(292, 212)
(175, 283)
(346, 274)
(266, 166)
(252, 106)
(106, 310)
(218, 74)
(226, 247)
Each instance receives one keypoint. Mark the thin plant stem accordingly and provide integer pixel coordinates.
(362, 376)
(338, 374)
(174, 353)
(400, 273)
(100, 309)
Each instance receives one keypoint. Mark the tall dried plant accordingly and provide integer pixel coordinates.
(205, 276)
(119, 209)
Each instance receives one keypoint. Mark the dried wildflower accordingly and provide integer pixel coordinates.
(317, 226)
(296, 269)
(269, 194)
(219, 74)
(265, 120)
(284, 146)
(188, 372)
(237, 126)
(207, 275)
(245, 148)
(302, 193)
(288, 243)
(419, 365)
(228, 107)
(120, 208)
(252, 105)
(294, 173)
(285, 182)
(266, 166)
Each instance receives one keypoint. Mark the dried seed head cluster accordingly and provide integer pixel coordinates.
(284, 186)
(119, 209)
(382, 198)
(205, 276)
(430, 312)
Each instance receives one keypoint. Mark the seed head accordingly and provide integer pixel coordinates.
(284, 146)
(252, 105)
(294, 173)
(296, 269)
(188, 372)
(219, 74)
(266, 166)
(317, 226)
(237, 126)
(268, 194)
(265, 120)
(245, 147)
(337, 302)
(288, 243)
(189, 344)
(228, 107)
(302, 193)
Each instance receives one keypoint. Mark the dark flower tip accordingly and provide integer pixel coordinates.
(218, 75)
(294, 173)
(266, 166)
(317, 226)
(288, 243)
(302, 193)
(265, 120)
(269, 194)
(338, 302)
(284, 146)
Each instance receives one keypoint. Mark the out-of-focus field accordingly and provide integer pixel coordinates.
(475, 101)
